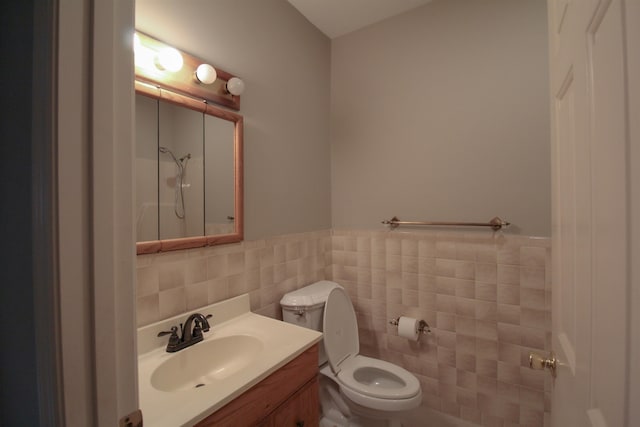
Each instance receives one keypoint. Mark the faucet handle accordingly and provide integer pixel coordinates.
(174, 340)
(201, 325)
(197, 330)
(205, 323)
(173, 331)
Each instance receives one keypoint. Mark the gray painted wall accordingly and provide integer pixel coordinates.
(442, 113)
(436, 114)
(285, 63)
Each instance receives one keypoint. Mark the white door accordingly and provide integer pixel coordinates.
(590, 222)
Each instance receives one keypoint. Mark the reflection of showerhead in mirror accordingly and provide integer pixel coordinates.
(165, 150)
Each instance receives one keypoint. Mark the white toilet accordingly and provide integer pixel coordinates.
(355, 390)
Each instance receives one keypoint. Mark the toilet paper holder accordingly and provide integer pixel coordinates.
(423, 327)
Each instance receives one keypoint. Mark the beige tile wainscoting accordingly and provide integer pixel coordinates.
(486, 296)
(171, 283)
(487, 299)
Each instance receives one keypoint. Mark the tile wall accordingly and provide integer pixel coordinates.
(171, 283)
(486, 297)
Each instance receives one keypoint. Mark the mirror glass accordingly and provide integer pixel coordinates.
(146, 168)
(218, 159)
(180, 171)
(188, 173)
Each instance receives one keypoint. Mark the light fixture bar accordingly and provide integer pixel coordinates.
(209, 83)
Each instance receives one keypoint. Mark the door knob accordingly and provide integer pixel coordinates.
(538, 362)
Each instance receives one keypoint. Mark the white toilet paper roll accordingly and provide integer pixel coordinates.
(408, 328)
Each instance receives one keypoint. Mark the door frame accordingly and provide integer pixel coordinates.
(95, 240)
(632, 33)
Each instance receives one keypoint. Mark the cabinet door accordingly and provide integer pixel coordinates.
(301, 410)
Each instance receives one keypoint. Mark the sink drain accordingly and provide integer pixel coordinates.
(199, 385)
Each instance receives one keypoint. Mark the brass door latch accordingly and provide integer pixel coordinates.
(538, 362)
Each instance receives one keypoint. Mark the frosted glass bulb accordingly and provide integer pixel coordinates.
(137, 44)
(169, 59)
(206, 74)
(235, 86)
(142, 56)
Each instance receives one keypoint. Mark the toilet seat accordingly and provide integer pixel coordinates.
(366, 381)
(382, 404)
(377, 378)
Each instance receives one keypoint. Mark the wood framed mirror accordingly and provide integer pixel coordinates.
(189, 172)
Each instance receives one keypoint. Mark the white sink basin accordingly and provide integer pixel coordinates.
(206, 362)
(241, 349)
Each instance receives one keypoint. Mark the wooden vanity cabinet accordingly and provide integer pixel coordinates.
(286, 398)
(301, 410)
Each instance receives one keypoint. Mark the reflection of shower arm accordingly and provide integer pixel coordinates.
(182, 169)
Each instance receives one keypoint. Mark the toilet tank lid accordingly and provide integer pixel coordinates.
(312, 295)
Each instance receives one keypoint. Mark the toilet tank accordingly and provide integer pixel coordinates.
(305, 307)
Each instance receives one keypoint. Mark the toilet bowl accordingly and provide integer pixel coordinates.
(378, 384)
(366, 387)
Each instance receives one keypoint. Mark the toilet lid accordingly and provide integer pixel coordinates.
(340, 328)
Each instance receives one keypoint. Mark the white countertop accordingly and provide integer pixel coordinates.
(283, 342)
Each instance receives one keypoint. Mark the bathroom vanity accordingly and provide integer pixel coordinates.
(248, 370)
(288, 397)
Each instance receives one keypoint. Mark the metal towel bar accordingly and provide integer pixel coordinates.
(495, 223)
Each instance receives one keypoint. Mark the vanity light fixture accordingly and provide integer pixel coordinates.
(136, 42)
(206, 74)
(143, 56)
(235, 86)
(164, 66)
(169, 59)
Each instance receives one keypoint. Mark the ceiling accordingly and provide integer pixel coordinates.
(338, 17)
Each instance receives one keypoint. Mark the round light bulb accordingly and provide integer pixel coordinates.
(137, 50)
(137, 44)
(143, 56)
(235, 86)
(206, 74)
(169, 59)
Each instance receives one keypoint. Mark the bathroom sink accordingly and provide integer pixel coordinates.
(240, 350)
(206, 363)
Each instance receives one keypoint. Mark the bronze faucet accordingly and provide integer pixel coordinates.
(191, 332)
